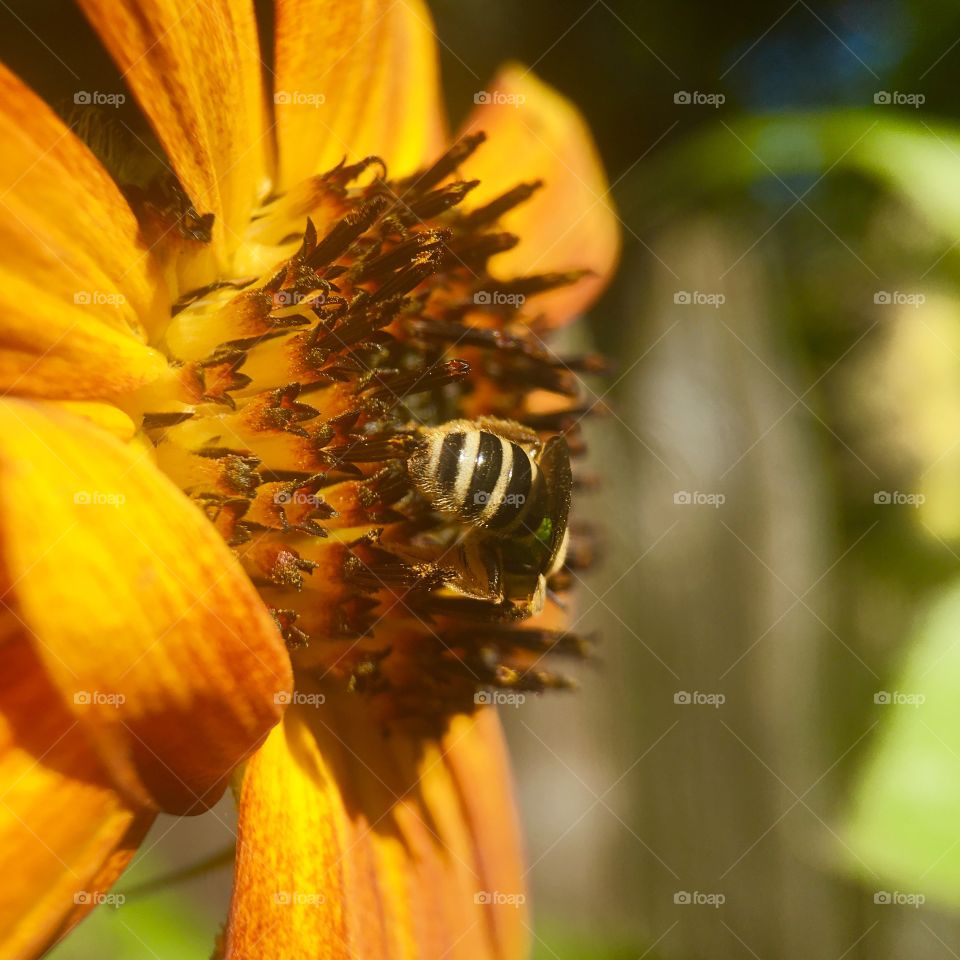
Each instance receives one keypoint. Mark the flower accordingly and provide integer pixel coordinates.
(212, 562)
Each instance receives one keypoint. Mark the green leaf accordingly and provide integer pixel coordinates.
(915, 158)
(169, 924)
(555, 939)
(906, 815)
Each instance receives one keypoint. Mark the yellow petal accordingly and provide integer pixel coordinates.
(358, 844)
(62, 355)
(355, 79)
(77, 287)
(159, 645)
(195, 70)
(104, 415)
(65, 834)
(534, 133)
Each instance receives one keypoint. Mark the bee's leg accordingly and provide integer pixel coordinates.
(533, 604)
(560, 557)
(474, 569)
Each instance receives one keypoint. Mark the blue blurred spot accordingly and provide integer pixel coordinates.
(802, 63)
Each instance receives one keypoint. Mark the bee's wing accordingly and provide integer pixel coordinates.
(555, 465)
(476, 569)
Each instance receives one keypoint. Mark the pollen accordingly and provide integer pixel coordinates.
(362, 318)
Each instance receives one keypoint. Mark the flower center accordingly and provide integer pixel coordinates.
(345, 409)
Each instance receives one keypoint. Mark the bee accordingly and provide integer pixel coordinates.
(509, 494)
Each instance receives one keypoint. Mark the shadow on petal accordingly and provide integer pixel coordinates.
(357, 842)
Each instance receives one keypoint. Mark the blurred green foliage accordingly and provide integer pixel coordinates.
(904, 824)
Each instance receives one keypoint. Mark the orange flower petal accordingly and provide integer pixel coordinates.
(358, 844)
(157, 642)
(65, 834)
(355, 79)
(195, 70)
(534, 133)
(77, 287)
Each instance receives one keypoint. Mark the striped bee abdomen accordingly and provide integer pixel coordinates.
(477, 476)
(501, 483)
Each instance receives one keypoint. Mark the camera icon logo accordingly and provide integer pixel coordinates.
(682, 297)
(882, 896)
(882, 96)
(681, 896)
(882, 496)
(482, 96)
(682, 496)
(682, 696)
(282, 97)
(682, 96)
(483, 698)
(482, 297)
(882, 697)
(482, 897)
(283, 697)
(82, 698)
(82, 97)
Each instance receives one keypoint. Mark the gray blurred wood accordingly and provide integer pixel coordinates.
(631, 798)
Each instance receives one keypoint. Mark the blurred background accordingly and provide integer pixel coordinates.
(764, 761)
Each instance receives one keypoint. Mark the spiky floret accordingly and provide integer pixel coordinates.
(293, 400)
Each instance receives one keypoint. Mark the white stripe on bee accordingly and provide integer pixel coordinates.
(435, 440)
(499, 491)
(468, 460)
